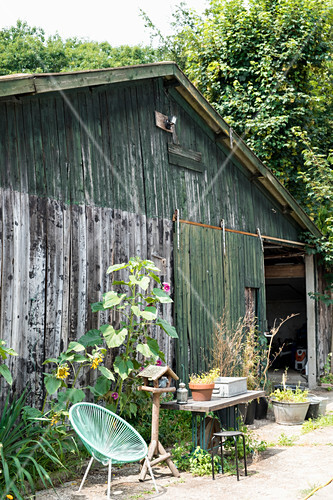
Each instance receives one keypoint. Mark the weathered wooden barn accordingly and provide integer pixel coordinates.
(99, 166)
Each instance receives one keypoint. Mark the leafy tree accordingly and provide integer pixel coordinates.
(25, 49)
(265, 65)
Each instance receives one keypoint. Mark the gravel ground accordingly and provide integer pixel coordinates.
(281, 472)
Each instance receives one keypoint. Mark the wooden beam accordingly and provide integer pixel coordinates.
(311, 321)
(285, 271)
(283, 256)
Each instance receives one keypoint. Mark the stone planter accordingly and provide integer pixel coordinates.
(201, 392)
(289, 413)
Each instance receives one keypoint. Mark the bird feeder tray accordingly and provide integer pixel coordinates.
(153, 373)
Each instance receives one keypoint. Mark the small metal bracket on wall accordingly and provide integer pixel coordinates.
(223, 235)
(261, 240)
(176, 218)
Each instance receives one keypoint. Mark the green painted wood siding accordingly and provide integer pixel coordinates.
(210, 285)
(100, 146)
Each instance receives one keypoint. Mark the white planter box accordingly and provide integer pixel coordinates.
(226, 387)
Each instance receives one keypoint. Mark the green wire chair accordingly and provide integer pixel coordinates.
(108, 438)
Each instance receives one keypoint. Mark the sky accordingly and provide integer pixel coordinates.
(117, 22)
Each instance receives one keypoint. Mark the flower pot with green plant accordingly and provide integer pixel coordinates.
(289, 406)
(202, 385)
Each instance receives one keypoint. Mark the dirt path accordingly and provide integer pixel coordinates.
(280, 473)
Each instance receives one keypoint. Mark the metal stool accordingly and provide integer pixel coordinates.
(226, 435)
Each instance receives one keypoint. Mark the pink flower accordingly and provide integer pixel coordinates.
(158, 362)
(141, 368)
(166, 286)
(115, 395)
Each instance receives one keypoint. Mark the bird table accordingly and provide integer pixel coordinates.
(157, 380)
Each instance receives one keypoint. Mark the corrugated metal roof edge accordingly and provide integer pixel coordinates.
(23, 84)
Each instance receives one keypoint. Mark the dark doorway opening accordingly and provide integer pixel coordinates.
(286, 296)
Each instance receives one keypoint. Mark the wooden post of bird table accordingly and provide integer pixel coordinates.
(154, 374)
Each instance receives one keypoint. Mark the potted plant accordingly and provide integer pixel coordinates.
(290, 406)
(202, 385)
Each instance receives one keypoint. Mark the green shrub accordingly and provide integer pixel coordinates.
(174, 426)
(29, 449)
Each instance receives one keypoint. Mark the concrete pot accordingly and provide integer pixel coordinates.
(201, 392)
(289, 413)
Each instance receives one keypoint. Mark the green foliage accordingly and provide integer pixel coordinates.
(252, 445)
(205, 378)
(318, 423)
(327, 377)
(174, 426)
(198, 462)
(29, 449)
(136, 310)
(266, 67)
(25, 49)
(78, 356)
(285, 440)
(289, 395)
(4, 353)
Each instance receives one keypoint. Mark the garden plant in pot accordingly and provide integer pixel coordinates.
(289, 406)
(202, 385)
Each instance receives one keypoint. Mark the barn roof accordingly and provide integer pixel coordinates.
(14, 86)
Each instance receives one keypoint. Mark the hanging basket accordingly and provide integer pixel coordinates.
(201, 392)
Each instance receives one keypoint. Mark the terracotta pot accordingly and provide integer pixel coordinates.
(201, 392)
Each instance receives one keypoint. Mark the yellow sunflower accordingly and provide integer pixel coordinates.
(96, 361)
(62, 372)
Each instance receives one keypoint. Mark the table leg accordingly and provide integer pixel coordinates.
(201, 438)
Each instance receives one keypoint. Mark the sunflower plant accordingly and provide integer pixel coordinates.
(63, 378)
(136, 303)
(4, 353)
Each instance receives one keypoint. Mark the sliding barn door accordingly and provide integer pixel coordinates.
(215, 274)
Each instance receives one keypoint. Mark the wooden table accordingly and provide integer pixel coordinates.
(225, 408)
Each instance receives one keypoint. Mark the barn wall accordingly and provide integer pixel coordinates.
(54, 260)
(100, 146)
(325, 322)
(86, 181)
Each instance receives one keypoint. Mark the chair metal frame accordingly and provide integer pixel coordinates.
(227, 435)
(83, 415)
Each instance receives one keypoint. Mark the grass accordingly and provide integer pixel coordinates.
(318, 423)
(285, 440)
(137, 496)
(308, 490)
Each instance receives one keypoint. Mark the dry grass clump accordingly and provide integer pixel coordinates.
(241, 351)
(229, 346)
